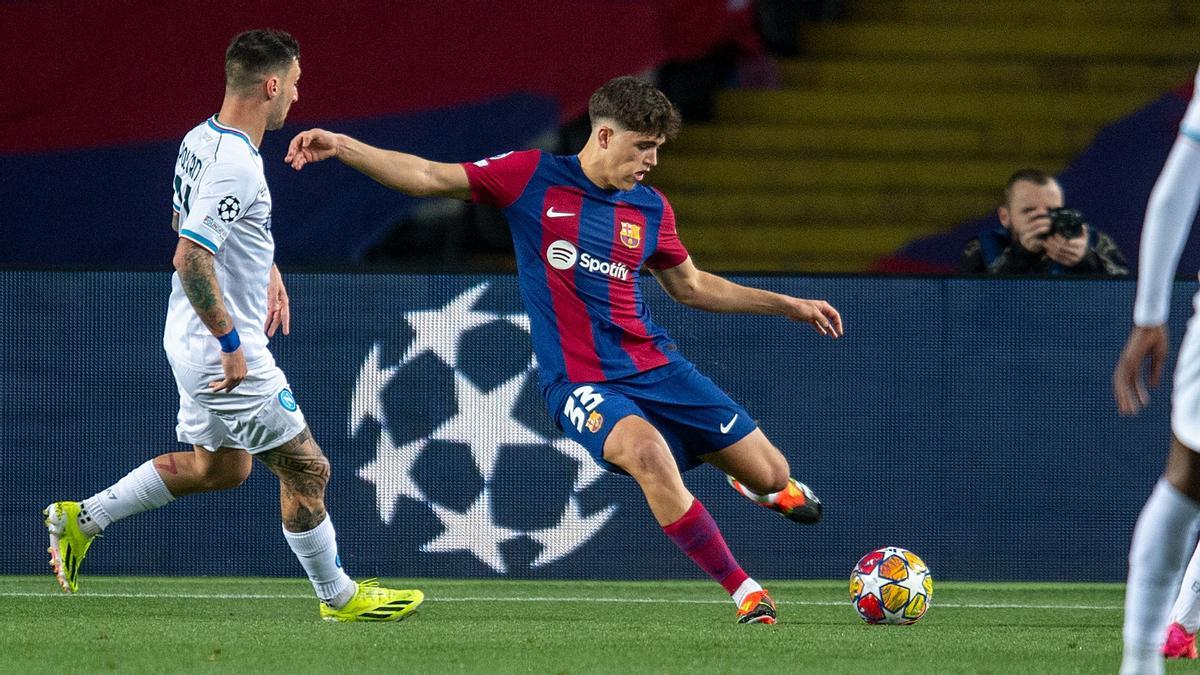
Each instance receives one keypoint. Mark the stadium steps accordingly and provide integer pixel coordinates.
(906, 119)
(940, 107)
(862, 139)
(834, 206)
(1064, 13)
(1046, 75)
(1079, 41)
(739, 173)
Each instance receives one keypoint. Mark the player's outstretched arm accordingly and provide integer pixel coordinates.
(1169, 215)
(198, 277)
(693, 287)
(402, 172)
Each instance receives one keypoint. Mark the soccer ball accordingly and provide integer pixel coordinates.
(891, 585)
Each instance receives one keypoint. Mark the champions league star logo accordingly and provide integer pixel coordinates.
(482, 418)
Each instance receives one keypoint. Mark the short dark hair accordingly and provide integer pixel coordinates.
(255, 54)
(636, 105)
(1035, 176)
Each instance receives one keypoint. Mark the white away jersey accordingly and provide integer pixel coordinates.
(1169, 216)
(224, 205)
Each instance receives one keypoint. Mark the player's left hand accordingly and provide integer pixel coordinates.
(1145, 342)
(279, 311)
(1067, 252)
(823, 317)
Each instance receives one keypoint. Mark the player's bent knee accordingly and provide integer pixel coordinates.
(226, 472)
(308, 480)
(778, 478)
(233, 477)
(644, 459)
(766, 477)
(299, 461)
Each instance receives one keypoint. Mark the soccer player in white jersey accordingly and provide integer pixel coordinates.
(1166, 528)
(227, 298)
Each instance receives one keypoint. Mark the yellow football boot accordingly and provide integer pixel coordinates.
(375, 603)
(68, 545)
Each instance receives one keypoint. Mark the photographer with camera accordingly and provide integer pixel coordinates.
(1039, 236)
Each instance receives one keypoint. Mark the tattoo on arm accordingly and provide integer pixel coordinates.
(198, 277)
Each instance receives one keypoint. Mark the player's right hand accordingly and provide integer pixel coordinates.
(1034, 238)
(820, 314)
(313, 145)
(234, 365)
(1128, 388)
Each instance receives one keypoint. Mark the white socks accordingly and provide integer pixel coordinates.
(140, 490)
(317, 551)
(1187, 606)
(748, 586)
(1163, 536)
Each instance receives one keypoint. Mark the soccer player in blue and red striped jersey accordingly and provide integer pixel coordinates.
(584, 226)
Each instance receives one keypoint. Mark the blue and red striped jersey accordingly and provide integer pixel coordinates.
(579, 252)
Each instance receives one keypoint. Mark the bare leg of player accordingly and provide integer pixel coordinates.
(73, 526)
(759, 471)
(638, 448)
(303, 473)
(159, 481)
(187, 473)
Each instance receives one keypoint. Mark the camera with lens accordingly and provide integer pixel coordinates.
(1067, 222)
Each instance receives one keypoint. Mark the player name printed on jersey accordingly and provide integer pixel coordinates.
(579, 251)
(223, 204)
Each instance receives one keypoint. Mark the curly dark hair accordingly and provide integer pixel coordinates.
(256, 54)
(636, 105)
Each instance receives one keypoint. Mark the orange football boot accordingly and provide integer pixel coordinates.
(758, 607)
(795, 502)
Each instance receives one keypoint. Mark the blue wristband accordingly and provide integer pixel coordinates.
(230, 341)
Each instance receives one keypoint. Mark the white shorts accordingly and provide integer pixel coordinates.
(259, 414)
(1185, 397)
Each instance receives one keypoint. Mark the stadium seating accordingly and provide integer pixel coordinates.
(906, 119)
(87, 142)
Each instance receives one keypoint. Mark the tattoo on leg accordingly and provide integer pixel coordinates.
(298, 456)
(300, 486)
(303, 472)
(303, 519)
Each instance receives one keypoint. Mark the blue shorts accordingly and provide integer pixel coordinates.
(691, 412)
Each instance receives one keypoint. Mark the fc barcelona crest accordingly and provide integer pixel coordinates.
(631, 234)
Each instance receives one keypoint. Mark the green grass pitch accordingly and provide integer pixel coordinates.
(211, 625)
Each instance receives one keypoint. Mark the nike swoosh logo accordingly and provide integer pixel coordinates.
(551, 213)
(729, 425)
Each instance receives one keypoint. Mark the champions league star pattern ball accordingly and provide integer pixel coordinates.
(891, 585)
